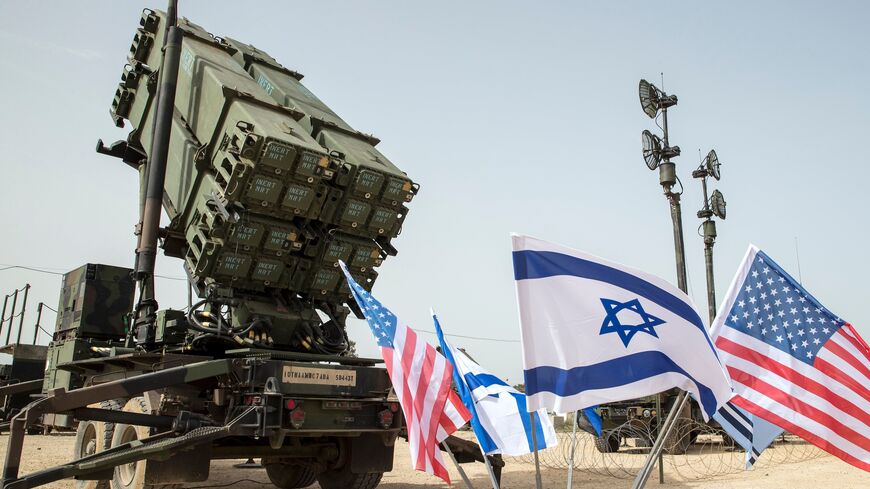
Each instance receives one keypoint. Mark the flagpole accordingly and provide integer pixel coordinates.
(658, 431)
(489, 469)
(458, 467)
(535, 443)
(573, 446)
(658, 446)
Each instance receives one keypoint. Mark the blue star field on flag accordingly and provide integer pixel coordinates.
(626, 332)
(773, 308)
(381, 321)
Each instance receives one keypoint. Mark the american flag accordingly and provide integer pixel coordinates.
(793, 362)
(421, 379)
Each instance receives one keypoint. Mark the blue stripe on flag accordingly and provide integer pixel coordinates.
(486, 442)
(731, 422)
(611, 373)
(486, 380)
(530, 264)
(527, 425)
(738, 411)
(477, 380)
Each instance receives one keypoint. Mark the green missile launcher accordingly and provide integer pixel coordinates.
(266, 187)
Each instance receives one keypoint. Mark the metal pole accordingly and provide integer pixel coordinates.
(658, 434)
(668, 178)
(489, 469)
(156, 171)
(11, 316)
(708, 261)
(573, 446)
(709, 239)
(23, 309)
(670, 422)
(3, 315)
(535, 443)
(679, 246)
(38, 319)
(458, 467)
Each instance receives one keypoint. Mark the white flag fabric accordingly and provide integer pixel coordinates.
(499, 417)
(594, 332)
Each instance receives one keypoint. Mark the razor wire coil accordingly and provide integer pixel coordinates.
(695, 451)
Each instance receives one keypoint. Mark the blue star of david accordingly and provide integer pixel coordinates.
(626, 332)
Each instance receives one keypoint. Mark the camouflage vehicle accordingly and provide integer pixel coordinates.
(21, 378)
(266, 189)
(638, 419)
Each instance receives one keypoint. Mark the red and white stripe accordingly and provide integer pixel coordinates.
(422, 381)
(827, 403)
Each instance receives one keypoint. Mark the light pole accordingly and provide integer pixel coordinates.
(713, 206)
(657, 153)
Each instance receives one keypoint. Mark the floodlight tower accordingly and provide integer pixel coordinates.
(713, 206)
(657, 153)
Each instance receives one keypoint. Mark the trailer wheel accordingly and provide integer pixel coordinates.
(93, 437)
(680, 438)
(340, 475)
(288, 476)
(608, 442)
(89, 441)
(132, 475)
(343, 478)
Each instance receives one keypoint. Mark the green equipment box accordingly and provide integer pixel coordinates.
(93, 303)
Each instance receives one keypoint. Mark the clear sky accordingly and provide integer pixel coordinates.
(513, 117)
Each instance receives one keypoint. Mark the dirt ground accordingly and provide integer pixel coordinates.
(822, 471)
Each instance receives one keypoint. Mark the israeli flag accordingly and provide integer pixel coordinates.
(594, 332)
(498, 412)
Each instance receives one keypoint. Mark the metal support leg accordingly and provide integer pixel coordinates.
(60, 401)
(535, 443)
(23, 309)
(643, 475)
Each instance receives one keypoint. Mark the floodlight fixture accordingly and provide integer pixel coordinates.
(711, 162)
(652, 99)
(717, 204)
(652, 149)
(649, 98)
(653, 152)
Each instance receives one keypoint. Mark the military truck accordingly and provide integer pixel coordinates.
(266, 188)
(638, 419)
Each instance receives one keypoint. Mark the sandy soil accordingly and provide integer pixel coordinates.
(821, 471)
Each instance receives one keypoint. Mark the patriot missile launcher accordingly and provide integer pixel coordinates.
(266, 189)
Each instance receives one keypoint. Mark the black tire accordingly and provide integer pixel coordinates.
(132, 475)
(89, 441)
(608, 442)
(288, 476)
(109, 428)
(680, 439)
(94, 437)
(343, 478)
